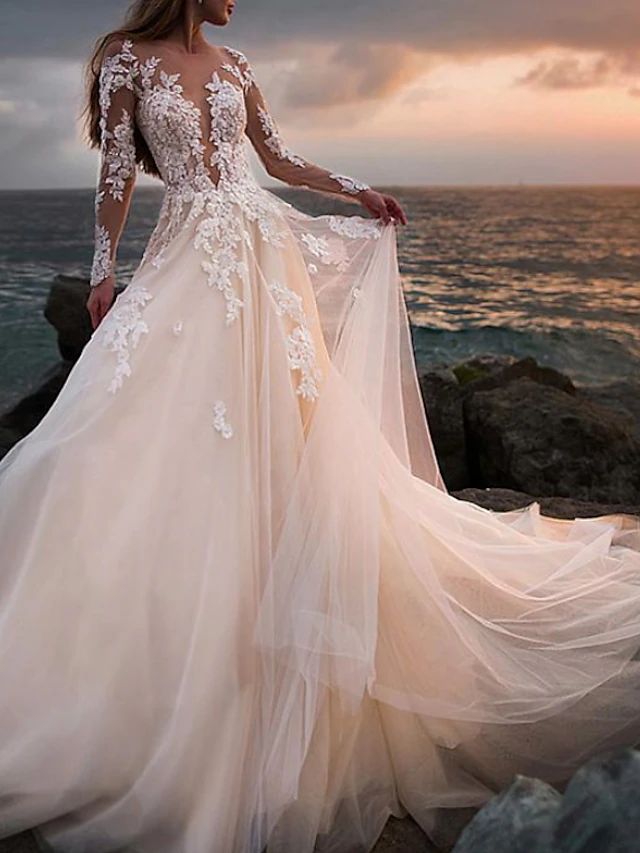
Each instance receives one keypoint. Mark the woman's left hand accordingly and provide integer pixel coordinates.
(384, 207)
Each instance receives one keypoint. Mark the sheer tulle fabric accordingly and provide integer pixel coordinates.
(278, 637)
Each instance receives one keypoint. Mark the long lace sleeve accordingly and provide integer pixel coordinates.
(278, 160)
(117, 173)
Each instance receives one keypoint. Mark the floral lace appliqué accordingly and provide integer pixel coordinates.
(102, 264)
(273, 140)
(349, 185)
(354, 227)
(119, 156)
(123, 327)
(318, 246)
(241, 70)
(301, 350)
(220, 422)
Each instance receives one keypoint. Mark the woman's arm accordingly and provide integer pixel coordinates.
(283, 164)
(117, 173)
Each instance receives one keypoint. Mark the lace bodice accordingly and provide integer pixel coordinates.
(196, 131)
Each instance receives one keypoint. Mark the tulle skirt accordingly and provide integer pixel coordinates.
(238, 608)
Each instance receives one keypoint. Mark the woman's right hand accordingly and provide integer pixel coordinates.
(100, 300)
(383, 207)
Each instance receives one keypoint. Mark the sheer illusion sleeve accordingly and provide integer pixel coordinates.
(277, 159)
(117, 172)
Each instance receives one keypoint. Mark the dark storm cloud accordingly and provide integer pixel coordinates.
(66, 27)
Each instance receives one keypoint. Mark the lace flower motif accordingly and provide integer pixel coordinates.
(220, 422)
(102, 265)
(355, 227)
(241, 70)
(123, 328)
(119, 156)
(349, 185)
(301, 351)
(273, 140)
(318, 246)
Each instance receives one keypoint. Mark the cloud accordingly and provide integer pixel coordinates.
(455, 27)
(39, 131)
(334, 59)
(576, 72)
(354, 74)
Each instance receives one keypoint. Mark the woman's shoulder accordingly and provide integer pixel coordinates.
(128, 48)
(240, 67)
(237, 55)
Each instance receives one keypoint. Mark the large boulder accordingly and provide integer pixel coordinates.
(444, 390)
(599, 813)
(67, 312)
(600, 808)
(519, 820)
(543, 441)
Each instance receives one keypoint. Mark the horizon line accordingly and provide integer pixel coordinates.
(502, 185)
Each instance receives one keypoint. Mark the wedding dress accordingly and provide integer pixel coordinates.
(238, 608)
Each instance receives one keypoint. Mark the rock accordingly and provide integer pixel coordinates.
(519, 820)
(485, 372)
(543, 441)
(599, 813)
(444, 391)
(503, 500)
(443, 403)
(600, 808)
(23, 843)
(28, 412)
(66, 311)
(621, 397)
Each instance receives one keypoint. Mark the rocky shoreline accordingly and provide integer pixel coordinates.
(507, 432)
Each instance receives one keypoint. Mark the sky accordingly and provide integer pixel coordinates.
(431, 92)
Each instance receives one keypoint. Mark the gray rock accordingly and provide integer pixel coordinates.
(20, 419)
(519, 820)
(444, 390)
(543, 441)
(621, 397)
(600, 811)
(66, 311)
(503, 500)
(443, 398)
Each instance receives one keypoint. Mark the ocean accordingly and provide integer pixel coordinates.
(551, 272)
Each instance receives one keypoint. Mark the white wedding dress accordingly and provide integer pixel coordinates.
(238, 608)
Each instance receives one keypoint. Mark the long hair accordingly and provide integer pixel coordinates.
(145, 19)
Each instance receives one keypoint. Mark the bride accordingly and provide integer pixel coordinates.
(238, 608)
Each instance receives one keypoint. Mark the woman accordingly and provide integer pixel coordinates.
(239, 609)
